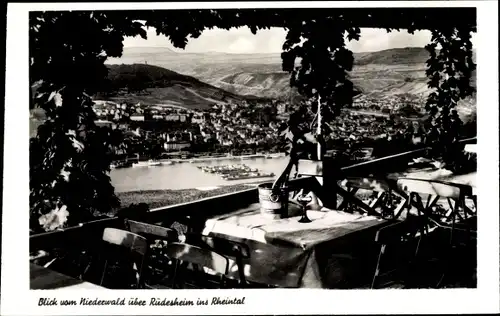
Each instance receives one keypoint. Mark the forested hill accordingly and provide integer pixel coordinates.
(146, 76)
(157, 85)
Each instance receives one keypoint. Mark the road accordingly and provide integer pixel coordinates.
(367, 112)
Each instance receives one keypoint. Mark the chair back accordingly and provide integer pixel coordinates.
(434, 187)
(229, 248)
(399, 247)
(367, 183)
(125, 239)
(126, 248)
(152, 232)
(157, 264)
(453, 218)
(198, 256)
(220, 245)
(384, 192)
(435, 190)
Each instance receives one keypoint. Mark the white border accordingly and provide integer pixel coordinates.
(16, 299)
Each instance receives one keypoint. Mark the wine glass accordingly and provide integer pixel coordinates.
(304, 199)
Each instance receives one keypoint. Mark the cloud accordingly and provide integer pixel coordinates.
(378, 39)
(241, 40)
(241, 45)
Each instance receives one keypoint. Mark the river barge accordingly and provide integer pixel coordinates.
(236, 172)
(244, 176)
(147, 163)
(227, 169)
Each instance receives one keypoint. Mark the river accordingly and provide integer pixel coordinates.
(186, 175)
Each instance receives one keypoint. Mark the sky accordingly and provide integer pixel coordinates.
(270, 41)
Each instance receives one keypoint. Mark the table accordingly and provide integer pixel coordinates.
(441, 175)
(44, 279)
(329, 252)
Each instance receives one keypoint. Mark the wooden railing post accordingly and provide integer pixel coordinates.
(330, 178)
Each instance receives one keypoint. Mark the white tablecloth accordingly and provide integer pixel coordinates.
(254, 225)
(444, 175)
(286, 253)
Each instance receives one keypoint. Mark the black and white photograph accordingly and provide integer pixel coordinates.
(266, 148)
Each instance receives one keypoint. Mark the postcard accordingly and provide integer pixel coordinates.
(251, 158)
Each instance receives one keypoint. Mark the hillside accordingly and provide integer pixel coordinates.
(269, 84)
(395, 56)
(156, 85)
(393, 71)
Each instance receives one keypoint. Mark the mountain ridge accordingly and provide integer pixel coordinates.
(261, 75)
(399, 55)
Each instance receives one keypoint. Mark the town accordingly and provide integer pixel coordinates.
(155, 131)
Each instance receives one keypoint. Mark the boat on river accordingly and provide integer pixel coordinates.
(227, 169)
(147, 163)
(273, 156)
(250, 175)
(120, 164)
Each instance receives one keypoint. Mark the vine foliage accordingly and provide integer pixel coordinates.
(70, 155)
(449, 71)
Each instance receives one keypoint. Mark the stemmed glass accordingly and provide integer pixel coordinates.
(304, 200)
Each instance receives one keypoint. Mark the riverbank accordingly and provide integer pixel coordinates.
(215, 158)
(160, 198)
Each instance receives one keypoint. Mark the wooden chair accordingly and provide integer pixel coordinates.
(125, 248)
(435, 191)
(152, 232)
(189, 254)
(397, 247)
(454, 229)
(158, 237)
(385, 193)
(231, 249)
